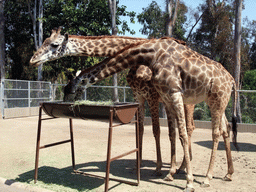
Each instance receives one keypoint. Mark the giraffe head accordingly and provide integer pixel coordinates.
(72, 92)
(53, 48)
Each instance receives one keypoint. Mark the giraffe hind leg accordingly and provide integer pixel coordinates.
(216, 132)
(172, 137)
(189, 112)
(226, 136)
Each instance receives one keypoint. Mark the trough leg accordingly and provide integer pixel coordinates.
(109, 150)
(38, 144)
(72, 143)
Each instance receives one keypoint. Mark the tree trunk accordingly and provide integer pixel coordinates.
(170, 22)
(171, 19)
(2, 41)
(237, 47)
(40, 37)
(112, 8)
(33, 17)
(190, 32)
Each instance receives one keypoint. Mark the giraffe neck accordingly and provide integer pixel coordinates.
(98, 46)
(125, 59)
(91, 75)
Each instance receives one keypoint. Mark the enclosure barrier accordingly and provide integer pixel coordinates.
(19, 98)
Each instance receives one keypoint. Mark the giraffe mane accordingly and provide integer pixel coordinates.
(149, 40)
(105, 37)
(133, 45)
(124, 37)
(176, 40)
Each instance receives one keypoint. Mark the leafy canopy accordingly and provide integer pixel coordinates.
(81, 17)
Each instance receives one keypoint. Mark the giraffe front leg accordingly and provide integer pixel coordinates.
(141, 114)
(172, 137)
(177, 107)
(183, 164)
(154, 111)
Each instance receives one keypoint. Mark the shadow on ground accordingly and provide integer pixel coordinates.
(122, 169)
(246, 147)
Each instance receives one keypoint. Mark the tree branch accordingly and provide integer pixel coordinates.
(194, 26)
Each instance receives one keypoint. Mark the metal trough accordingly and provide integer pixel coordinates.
(123, 112)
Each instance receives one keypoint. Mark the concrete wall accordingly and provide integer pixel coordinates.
(34, 111)
(242, 127)
(20, 112)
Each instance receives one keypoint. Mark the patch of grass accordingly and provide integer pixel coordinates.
(87, 102)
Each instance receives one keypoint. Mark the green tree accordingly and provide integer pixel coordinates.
(2, 42)
(214, 37)
(247, 100)
(19, 41)
(154, 19)
(250, 39)
(81, 17)
(249, 80)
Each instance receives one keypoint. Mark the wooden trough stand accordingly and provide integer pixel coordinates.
(122, 112)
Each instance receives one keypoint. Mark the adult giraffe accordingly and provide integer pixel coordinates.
(139, 79)
(180, 75)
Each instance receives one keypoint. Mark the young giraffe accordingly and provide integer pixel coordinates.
(143, 89)
(180, 75)
(139, 79)
(106, 46)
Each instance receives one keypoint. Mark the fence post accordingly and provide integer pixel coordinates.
(51, 94)
(124, 95)
(2, 97)
(29, 96)
(85, 93)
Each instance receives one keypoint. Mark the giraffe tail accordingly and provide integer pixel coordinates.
(234, 117)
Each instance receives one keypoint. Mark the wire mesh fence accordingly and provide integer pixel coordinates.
(19, 93)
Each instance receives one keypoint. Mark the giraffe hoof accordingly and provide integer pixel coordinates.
(227, 178)
(168, 178)
(205, 185)
(189, 190)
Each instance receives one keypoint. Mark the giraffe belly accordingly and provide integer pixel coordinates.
(193, 97)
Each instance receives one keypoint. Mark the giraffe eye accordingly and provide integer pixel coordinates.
(54, 45)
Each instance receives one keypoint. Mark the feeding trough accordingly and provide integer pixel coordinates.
(123, 112)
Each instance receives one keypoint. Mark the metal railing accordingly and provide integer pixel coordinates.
(20, 93)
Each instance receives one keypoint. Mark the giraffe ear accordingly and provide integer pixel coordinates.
(53, 32)
(59, 29)
(66, 37)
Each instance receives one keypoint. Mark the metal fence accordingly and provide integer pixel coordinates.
(22, 94)
(18, 93)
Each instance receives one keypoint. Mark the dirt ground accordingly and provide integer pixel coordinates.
(17, 159)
